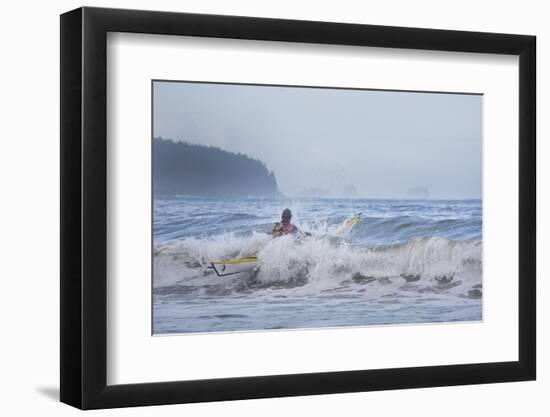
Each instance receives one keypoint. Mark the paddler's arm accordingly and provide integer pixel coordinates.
(277, 230)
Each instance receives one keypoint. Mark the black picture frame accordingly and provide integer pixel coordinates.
(84, 207)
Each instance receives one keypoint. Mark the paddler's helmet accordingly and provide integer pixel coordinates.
(286, 214)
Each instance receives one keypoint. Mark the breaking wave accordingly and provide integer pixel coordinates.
(322, 263)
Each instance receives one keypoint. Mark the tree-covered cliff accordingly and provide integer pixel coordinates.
(183, 168)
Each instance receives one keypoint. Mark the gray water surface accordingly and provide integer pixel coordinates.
(405, 262)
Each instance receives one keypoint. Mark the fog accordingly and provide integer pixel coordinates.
(318, 141)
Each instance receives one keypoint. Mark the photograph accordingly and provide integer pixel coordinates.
(279, 207)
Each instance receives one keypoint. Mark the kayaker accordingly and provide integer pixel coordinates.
(284, 227)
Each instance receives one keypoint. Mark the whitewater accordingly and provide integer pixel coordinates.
(405, 262)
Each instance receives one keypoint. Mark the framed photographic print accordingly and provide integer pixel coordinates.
(258, 207)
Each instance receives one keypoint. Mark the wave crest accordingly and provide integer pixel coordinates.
(323, 264)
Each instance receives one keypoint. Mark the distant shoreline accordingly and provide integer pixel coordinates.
(285, 197)
(206, 171)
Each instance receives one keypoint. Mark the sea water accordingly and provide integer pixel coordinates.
(405, 262)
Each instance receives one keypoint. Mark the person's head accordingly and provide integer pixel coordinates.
(286, 216)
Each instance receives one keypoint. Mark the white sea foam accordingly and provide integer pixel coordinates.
(321, 263)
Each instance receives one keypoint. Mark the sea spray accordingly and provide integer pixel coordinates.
(324, 262)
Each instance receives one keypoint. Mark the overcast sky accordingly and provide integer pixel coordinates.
(384, 143)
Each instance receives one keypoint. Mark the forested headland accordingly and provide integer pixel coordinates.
(196, 170)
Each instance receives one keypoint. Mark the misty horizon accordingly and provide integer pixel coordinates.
(323, 142)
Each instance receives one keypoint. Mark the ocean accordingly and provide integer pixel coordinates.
(405, 262)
